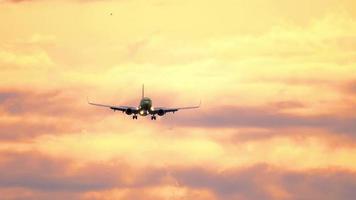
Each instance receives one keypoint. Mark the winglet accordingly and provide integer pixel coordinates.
(198, 106)
(88, 100)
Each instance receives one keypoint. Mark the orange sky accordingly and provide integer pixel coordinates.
(277, 80)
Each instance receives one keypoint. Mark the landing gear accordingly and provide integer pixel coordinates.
(134, 117)
(153, 117)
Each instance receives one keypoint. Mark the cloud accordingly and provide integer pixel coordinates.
(46, 103)
(35, 59)
(41, 174)
(265, 117)
(16, 1)
(266, 182)
(28, 194)
(280, 105)
(350, 87)
(23, 1)
(276, 76)
(36, 171)
(22, 129)
(27, 114)
(53, 103)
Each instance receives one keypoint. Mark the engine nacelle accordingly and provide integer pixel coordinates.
(128, 111)
(161, 112)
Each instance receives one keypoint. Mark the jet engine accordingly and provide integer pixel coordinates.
(161, 112)
(128, 111)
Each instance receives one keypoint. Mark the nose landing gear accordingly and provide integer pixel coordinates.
(134, 117)
(153, 117)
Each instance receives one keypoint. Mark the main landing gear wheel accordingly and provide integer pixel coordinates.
(153, 117)
(134, 117)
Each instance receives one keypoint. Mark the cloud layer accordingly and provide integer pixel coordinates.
(276, 80)
(44, 174)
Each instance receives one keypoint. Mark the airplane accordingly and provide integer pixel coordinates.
(145, 108)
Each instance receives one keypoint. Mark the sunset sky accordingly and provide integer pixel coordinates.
(277, 80)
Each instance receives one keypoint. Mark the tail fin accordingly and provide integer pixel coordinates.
(143, 91)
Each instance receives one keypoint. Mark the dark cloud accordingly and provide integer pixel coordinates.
(265, 117)
(67, 113)
(36, 172)
(26, 194)
(226, 185)
(287, 104)
(351, 87)
(254, 183)
(6, 95)
(52, 103)
(27, 114)
(33, 170)
(25, 130)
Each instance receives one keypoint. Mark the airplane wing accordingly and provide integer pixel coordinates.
(163, 110)
(115, 108)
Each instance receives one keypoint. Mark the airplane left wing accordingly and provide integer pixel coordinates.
(161, 110)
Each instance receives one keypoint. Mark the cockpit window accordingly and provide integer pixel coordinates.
(146, 100)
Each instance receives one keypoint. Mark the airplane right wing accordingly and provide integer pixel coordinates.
(129, 109)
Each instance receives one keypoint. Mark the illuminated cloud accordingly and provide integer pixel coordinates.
(34, 59)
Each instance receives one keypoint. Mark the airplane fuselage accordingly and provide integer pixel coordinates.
(145, 106)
